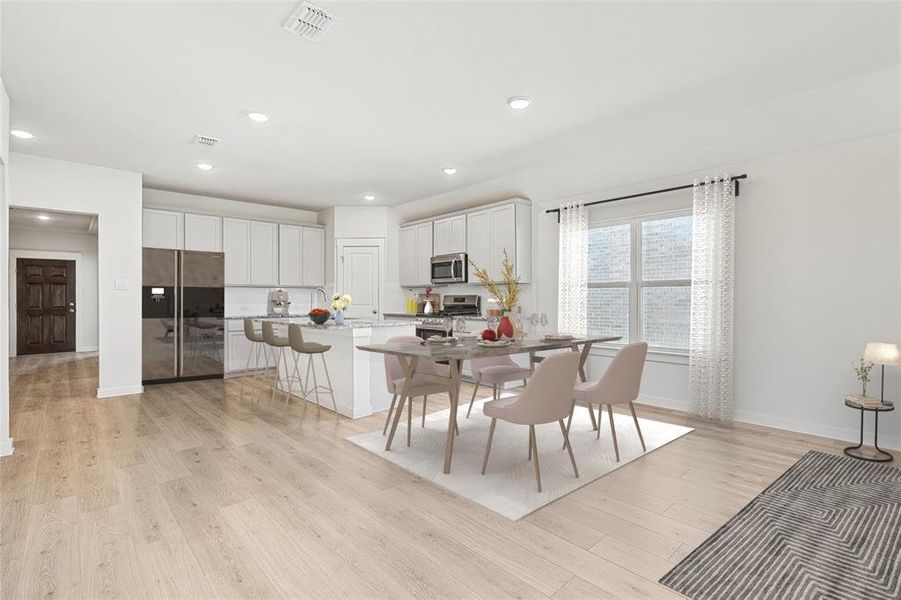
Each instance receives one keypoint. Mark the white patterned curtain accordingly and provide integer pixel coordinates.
(572, 295)
(712, 266)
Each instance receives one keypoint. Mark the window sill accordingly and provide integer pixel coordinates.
(656, 355)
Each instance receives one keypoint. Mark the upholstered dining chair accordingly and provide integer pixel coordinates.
(547, 398)
(495, 371)
(619, 385)
(395, 380)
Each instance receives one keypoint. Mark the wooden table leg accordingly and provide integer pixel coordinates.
(409, 367)
(583, 358)
(452, 416)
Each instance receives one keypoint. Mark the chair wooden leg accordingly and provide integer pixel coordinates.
(569, 447)
(473, 399)
(600, 417)
(637, 427)
(409, 420)
(488, 445)
(569, 420)
(613, 431)
(534, 451)
(594, 423)
(390, 410)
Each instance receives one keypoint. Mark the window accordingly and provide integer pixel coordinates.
(639, 279)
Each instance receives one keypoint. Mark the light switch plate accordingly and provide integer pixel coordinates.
(122, 283)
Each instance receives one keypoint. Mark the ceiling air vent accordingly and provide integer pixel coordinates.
(309, 21)
(206, 141)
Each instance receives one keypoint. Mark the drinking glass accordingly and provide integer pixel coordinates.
(534, 321)
(543, 321)
(448, 324)
(492, 323)
(460, 325)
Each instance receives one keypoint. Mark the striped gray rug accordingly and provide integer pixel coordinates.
(829, 527)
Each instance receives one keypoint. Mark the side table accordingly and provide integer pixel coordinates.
(855, 451)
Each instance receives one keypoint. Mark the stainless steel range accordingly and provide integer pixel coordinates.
(454, 306)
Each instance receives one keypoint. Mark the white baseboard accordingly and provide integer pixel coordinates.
(120, 391)
(86, 349)
(6, 447)
(849, 434)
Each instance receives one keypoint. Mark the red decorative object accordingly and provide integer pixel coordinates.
(505, 328)
(489, 335)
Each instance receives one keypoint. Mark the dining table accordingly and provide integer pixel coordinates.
(409, 354)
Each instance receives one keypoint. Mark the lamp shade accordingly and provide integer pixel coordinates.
(882, 353)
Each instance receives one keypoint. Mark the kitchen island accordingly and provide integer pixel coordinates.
(358, 377)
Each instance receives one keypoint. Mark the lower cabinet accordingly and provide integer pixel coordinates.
(238, 348)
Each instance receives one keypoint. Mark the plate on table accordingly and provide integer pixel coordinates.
(494, 344)
(441, 340)
(558, 337)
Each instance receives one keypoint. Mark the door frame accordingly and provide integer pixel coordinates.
(16, 253)
(342, 243)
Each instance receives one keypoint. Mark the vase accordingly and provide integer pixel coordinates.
(428, 307)
(505, 328)
(864, 392)
(339, 317)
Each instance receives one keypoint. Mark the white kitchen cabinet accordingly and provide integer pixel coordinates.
(313, 253)
(478, 243)
(203, 232)
(263, 253)
(238, 348)
(449, 236)
(236, 245)
(424, 253)
(162, 229)
(503, 237)
(407, 256)
(290, 255)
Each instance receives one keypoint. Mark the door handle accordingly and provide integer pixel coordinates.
(71, 310)
(71, 304)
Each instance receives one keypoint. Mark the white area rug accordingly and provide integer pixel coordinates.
(508, 487)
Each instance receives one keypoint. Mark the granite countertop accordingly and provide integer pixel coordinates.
(398, 315)
(348, 323)
(242, 317)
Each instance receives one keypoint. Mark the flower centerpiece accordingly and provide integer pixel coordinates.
(340, 302)
(506, 294)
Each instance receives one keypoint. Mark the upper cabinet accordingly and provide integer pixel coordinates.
(263, 253)
(203, 232)
(416, 255)
(236, 245)
(301, 256)
(478, 247)
(449, 235)
(162, 229)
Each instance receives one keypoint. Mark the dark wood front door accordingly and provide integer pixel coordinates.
(45, 305)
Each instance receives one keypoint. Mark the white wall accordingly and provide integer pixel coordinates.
(220, 206)
(6, 443)
(25, 242)
(115, 197)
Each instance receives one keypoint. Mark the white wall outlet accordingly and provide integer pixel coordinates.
(122, 283)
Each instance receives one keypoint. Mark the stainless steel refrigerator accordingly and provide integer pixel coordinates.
(183, 305)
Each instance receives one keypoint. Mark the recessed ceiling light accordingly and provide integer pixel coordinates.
(258, 117)
(369, 197)
(450, 170)
(22, 134)
(43, 218)
(204, 166)
(519, 102)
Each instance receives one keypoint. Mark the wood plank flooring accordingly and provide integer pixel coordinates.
(190, 491)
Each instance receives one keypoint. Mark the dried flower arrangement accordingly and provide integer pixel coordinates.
(507, 294)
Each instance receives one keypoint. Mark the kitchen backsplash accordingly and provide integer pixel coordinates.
(241, 301)
(468, 288)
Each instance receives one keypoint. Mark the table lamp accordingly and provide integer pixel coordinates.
(882, 353)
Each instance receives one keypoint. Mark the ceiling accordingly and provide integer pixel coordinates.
(57, 221)
(396, 91)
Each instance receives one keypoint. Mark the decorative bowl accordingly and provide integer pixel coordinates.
(319, 316)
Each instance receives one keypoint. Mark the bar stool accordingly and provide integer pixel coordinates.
(278, 344)
(311, 349)
(258, 346)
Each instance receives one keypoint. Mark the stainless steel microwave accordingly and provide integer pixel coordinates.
(450, 268)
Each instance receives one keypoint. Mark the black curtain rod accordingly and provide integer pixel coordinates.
(736, 179)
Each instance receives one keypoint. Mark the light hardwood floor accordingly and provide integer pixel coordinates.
(188, 491)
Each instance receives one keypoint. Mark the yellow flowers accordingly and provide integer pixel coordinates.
(341, 301)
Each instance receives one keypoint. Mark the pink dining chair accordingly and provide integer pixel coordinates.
(547, 398)
(495, 371)
(619, 385)
(395, 380)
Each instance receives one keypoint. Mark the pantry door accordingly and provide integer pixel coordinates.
(360, 272)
